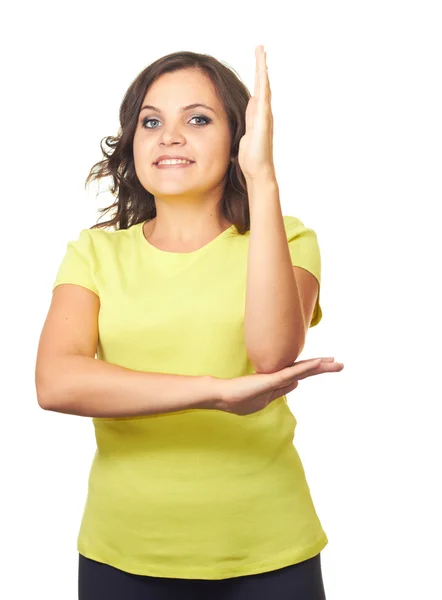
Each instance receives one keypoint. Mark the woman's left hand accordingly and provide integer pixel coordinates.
(255, 156)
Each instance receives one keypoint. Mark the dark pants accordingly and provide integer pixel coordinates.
(301, 581)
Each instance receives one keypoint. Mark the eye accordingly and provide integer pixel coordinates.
(146, 120)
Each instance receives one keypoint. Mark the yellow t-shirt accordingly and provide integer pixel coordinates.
(198, 493)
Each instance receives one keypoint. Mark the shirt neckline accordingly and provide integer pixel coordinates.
(180, 255)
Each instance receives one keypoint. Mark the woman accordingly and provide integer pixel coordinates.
(197, 306)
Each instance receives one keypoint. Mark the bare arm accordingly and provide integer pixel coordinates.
(89, 387)
(69, 379)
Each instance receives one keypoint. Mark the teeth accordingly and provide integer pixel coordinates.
(174, 161)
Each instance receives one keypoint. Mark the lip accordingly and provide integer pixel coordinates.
(179, 166)
(171, 157)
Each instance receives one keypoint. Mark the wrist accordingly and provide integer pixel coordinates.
(266, 179)
(213, 392)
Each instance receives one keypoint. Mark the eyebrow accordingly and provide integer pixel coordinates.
(150, 107)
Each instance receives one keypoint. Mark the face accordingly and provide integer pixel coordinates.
(198, 133)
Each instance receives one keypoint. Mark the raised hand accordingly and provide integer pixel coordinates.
(255, 153)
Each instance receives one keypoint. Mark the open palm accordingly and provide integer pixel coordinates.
(250, 393)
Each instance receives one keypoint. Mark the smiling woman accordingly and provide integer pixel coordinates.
(206, 129)
(195, 187)
(195, 502)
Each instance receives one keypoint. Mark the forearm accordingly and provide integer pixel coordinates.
(273, 322)
(89, 387)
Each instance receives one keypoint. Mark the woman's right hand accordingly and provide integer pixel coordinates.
(250, 393)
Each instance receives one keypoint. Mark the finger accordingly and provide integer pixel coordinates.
(321, 358)
(257, 73)
(260, 73)
(311, 366)
(302, 368)
(308, 363)
(262, 83)
(296, 371)
(322, 368)
(266, 81)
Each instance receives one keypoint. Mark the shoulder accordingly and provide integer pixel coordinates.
(295, 227)
(293, 223)
(101, 238)
(290, 222)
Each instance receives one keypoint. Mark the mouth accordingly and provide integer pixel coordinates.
(177, 166)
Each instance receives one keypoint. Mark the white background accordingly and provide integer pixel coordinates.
(356, 99)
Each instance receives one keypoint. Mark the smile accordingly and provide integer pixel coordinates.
(174, 166)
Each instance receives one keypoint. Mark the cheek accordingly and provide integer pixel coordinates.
(140, 151)
(141, 158)
(138, 143)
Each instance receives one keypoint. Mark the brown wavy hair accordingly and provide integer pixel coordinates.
(133, 203)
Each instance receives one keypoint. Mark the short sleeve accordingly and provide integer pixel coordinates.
(77, 263)
(305, 253)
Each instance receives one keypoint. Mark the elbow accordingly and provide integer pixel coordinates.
(50, 383)
(272, 364)
(44, 397)
(42, 401)
(44, 390)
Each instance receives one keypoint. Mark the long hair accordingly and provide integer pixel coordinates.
(133, 203)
